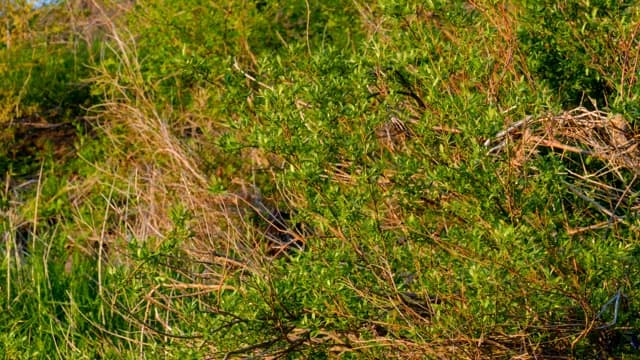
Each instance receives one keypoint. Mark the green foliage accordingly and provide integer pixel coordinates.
(366, 124)
(50, 283)
(574, 47)
(43, 85)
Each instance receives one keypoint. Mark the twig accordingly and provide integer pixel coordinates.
(503, 133)
(615, 300)
(577, 192)
(600, 225)
(237, 67)
(558, 145)
(446, 129)
(267, 344)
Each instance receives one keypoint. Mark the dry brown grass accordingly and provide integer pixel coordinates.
(151, 172)
(600, 150)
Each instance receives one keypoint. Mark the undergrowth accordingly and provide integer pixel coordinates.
(252, 179)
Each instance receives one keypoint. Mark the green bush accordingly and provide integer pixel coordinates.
(365, 123)
(575, 48)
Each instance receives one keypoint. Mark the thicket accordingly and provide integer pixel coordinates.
(319, 179)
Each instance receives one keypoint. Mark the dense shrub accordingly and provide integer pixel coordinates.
(223, 130)
(581, 50)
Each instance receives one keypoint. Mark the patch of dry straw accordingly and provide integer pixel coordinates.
(600, 150)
